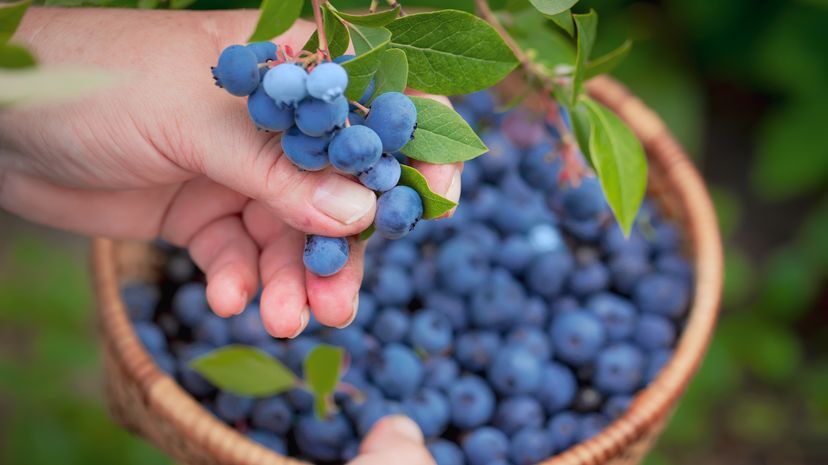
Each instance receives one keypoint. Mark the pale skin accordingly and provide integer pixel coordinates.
(167, 154)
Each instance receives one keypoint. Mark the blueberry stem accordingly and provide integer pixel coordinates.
(320, 27)
(360, 107)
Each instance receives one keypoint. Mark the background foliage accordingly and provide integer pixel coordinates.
(740, 82)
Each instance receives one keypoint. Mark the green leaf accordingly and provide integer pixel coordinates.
(451, 52)
(180, 4)
(10, 16)
(564, 21)
(244, 370)
(367, 233)
(392, 73)
(608, 62)
(548, 46)
(276, 17)
(581, 128)
(434, 206)
(552, 7)
(322, 370)
(37, 85)
(619, 161)
(586, 26)
(369, 44)
(335, 32)
(442, 135)
(15, 56)
(372, 20)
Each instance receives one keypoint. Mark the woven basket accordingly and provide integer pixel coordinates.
(146, 401)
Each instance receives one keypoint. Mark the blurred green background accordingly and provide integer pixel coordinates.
(742, 83)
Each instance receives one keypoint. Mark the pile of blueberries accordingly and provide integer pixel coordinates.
(519, 327)
(321, 129)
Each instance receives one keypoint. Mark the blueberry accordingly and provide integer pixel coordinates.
(369, 91)
(269, 440)
(514, 413)
(440, 372)
(300, 400)
(468, 114)
(541, 167)
(470, 178)
(190, 304)
(589, 279)
(151, 337)
(477, 233)
(446, 452)
(352, 339)
(372, 410)
(398, 371)
(615, 406)
(266, 114)
(402, 252)
(306, 152)
(298, 350)
(545, 238)
(654, 332)
(481, 103)
(497, 304)
(232, 408)
(392, 286)
(274, 348)
(588, 230)
(515, 370)
(190, 380)
(662, 294)
(237, 70)
(617, 313)
(366, 310)
(658, 359)
(165, 362)
(472, 402)
(383, 176)
(524, 129)
(619, 369)
(667, 237)
(530, 446)
(673, 263)
(535, 312)
(430, 410)
(212, 330)
(614, 242)
(140, 300)
(563, 429)
(430, 331)
(391, 325)
(501, 158)
(325, 256)
(264, 51)
(398, 211)
(547, 273)
(272, 414)
(484, 203)
(316, 117)
(327, 81)
(394, 117)
(586, 201)
(474, 350)
(286, 84)
(247, 327)
(485, 445)
(424, 273)
(350, 451)
(557, 387)
(626, 269)
(577, 336)
(590, 425)
(355, 119)
(322, 439)
(355, 149)
(515, 253)
(563, 304)
(533, 339)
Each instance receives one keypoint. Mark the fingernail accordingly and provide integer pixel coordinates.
(354, 309)
(304, 317)
(343, 199)
(404, 427)
(453, 191)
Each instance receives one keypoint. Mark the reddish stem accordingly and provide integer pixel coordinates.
(320, 27)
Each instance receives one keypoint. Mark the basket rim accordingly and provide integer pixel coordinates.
(650, 406)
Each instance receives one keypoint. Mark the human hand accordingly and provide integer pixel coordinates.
(168, 154)
(394, 439)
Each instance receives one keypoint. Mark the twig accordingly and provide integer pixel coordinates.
(320, 27)
(360, 106)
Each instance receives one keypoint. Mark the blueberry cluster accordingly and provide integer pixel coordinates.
(321, 129)
(519, 327)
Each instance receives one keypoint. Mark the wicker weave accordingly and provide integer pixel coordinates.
(149, 403)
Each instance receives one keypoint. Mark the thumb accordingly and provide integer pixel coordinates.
(394, 439)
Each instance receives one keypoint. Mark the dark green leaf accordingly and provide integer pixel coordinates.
(586, 26)
(15, 56)
(322, 368)
(276, 17)
(619, 161)
(434, 206)
(392, 73)
(451, 52)
(553, 7)
(369, 44)
(564, 21)
(367, 233)
(550, 47)
(335, 32)
(581, 127)
(10, 16)
(442, 135)
(368, 38)
(244, 370)
(180, 4)
(606, 63)
(372, 20)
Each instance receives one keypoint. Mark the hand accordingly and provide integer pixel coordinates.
(394, 439)
(168, 154)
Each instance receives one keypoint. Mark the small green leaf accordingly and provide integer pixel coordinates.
(442, 135)
(564, 21)
(335, 32)
(322, 368)
(369, 44)
(15, 56)
(368, 38)
(37, 85)
(549, 47)
(180, 4)
(244, 370)
(606, 63)
(434, 206)
(619, 161)
(581, 127)
(367, 233)
(587, 26)
(10, 16)
(451, 52)
(372, 20)
(276, 17)
(552, 7)
(392, 73)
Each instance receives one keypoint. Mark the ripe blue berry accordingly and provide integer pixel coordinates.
(430, 409)
(327, 81)
(463, 266)
(515, 370)
(530, 446)
(306, 152)
(391, 325)
(654, 332)
(563, 429)
(372, 411)
(322, 439)
(515, 253)
(352, 339)
(514, 413)
(398, 371)
(485, 445)
(446, 452)
(151, 337)
(247, 327)
(393, 117)
(392, 286)
(440, 372)
(269, 440)
(431, 331)
(585, 201)
(286, 84)
(369, 91)
(383, 175)
(547, 273)
(317, 117)
(533, 339)
(272, 414)
(557, 387)
(264, 51)
(497, 304)
(140, 300)
(325, 256)
(618, 314)
(266, 114)
(237, 70)
(656, 362)
(615, 406)
(402, 253)
(475, 349)
(501, 158)
(232, 408)
(662, 294)
(619, 369)
(453, 307)
(472, 402)
(355, 149)
(366, 310)
(212, 330)
(190, 380)
(398, 211)
(577, 336)
(190, 304)
(626, 269)
(541, 167)
(590, 425)
(588, 279)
